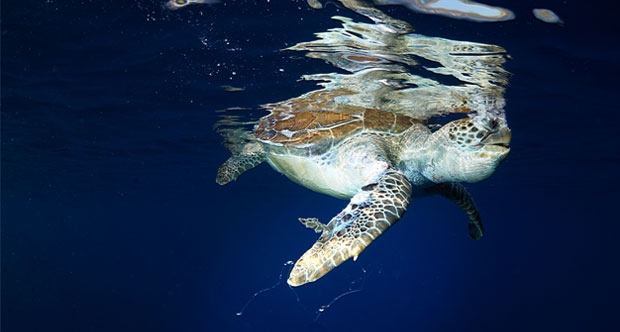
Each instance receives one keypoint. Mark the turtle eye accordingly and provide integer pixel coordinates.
(180, 2)
(490, 123)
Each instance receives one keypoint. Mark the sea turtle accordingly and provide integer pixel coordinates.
(379, 160)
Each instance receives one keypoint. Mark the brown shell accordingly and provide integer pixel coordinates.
(316, 123)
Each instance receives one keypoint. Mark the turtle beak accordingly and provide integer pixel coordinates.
(499, 141)
(501, 137)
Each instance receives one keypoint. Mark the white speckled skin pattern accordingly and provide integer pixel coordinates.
(371, 212)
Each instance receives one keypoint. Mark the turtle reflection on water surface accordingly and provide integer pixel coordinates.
(176, 4)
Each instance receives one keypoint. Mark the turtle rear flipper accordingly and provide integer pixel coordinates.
(458, 194)
(250, 156)
(369, 213)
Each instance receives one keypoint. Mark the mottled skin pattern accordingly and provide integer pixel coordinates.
(458, 194)
(379, 164)
(250, 157)
(370, 213)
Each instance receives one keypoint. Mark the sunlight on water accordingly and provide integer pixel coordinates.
(461, 9)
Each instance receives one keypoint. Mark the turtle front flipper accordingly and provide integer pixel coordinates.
(458, 194)
(369, 213)
(251, 155)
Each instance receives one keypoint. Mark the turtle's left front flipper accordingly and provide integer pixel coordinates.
(369, 213)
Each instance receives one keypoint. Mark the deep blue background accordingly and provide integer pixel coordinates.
(112, 221)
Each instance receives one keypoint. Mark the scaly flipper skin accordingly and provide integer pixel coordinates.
(370, 213)
(458, 194)
(231, 169)
(315, 224)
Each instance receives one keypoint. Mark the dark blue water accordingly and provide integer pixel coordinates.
(112, 221)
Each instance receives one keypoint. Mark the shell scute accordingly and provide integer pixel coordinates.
(316, 123)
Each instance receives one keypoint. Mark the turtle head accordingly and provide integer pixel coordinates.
(468, 149)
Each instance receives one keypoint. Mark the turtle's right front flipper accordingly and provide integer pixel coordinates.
(251, 155)
(370, 213)
(458, 194)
